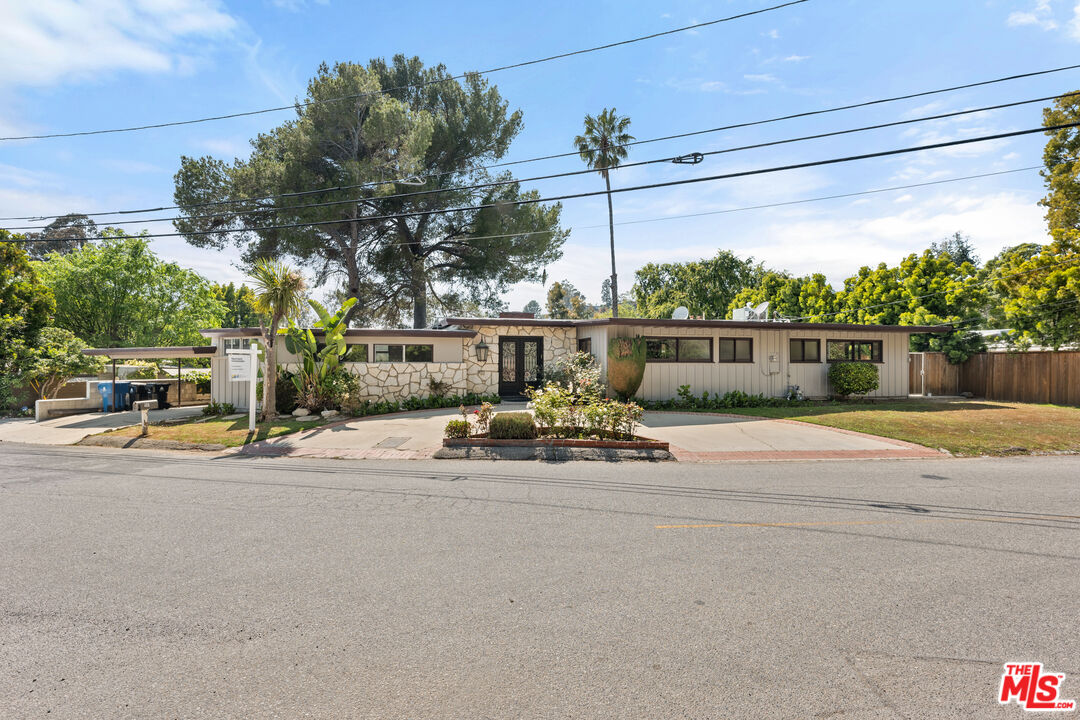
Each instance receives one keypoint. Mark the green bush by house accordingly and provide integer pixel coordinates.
(853, 378)
(512, 426)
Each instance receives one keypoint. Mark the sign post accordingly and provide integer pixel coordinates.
(244, 367)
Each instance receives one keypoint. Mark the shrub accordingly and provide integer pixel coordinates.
(626, 365)
(457, 429)
(579, 373)
(512, 426)
(285, 392)
(853, 378)
(216, 408)
(144, 370)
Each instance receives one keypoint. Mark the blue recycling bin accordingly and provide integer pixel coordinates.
(123, 393)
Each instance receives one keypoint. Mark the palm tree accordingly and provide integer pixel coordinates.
(603, 147)
(279, 294)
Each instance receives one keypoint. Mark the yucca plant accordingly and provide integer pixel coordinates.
(279, 291)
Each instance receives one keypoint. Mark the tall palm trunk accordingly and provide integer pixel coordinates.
(611, 229)
(269, 398)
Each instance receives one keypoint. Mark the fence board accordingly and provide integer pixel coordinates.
(1034, 377)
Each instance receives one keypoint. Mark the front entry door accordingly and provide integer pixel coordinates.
(521, 362)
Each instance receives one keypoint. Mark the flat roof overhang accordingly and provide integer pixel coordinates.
(350, 333)
(711, 324)
(153, 353)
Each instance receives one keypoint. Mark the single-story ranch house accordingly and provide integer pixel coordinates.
(505, 354)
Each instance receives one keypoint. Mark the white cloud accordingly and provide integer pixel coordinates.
(762, 77)
(1074, 24)
(1040, 15)
(225, 148)
(796, 58)
(773, 34)
(46, 42)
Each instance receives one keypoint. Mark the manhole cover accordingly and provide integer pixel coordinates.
(393, 442)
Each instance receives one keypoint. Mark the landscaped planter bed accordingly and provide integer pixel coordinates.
(639, 444)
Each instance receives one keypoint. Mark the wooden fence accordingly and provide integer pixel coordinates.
(1035, 377)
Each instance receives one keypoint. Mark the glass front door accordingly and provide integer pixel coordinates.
(521, 364)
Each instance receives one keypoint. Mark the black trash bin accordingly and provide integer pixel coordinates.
(161, 391)
(140, 391)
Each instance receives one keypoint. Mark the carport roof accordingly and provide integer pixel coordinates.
(143, 353)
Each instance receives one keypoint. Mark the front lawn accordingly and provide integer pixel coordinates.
(230, 433)
(963, 427)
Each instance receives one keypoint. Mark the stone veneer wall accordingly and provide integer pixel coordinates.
(400, 380)
(484, 377)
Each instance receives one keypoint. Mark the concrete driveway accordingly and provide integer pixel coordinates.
(694, 437)
(704, 437)
(73, 428)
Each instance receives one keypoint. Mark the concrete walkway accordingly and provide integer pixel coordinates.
(73, 428)
(693, 437)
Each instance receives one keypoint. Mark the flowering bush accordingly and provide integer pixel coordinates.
(557, 413)
(579, 373)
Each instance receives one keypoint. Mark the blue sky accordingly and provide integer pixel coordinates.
(68, 66)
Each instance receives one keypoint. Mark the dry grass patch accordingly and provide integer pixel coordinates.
(231, 433)
(968, 427)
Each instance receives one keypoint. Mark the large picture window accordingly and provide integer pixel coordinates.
(678, 349)
(735, 350)
(853, 351)
(406, 353)
(804, 351)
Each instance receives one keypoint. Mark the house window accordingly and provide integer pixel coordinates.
(736, 350)
(804, 351)
(237, 343)
(678, 349)
(356, 353)
(404, 353)
(853, 351)
(419, 353)
(389, 353)
(584, 345)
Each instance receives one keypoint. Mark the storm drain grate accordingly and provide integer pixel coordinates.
(393, 442)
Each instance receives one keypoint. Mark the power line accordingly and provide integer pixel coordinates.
(721, 212)
(512, 66)
(650, 186)
(339, 188)
(512, 181)
(817, 199)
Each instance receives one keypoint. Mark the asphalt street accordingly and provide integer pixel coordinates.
(138, 584)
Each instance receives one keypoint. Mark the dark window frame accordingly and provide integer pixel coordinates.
(584, 345)
(804, 361)
(848, 355)
(734, 350)
(678, 358)
(404, 352)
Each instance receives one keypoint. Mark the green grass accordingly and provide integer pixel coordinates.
(967, 427)
(231, 433)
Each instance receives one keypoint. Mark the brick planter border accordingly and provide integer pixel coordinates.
(558, 442)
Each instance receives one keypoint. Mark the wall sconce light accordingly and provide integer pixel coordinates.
(482, 351)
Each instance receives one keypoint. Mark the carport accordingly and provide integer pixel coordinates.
(177, 353)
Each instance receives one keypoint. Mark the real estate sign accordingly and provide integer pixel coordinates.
(244, 367)
(240, 367)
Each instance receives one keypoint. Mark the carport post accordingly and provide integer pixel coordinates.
(179, 398)
(114, 385)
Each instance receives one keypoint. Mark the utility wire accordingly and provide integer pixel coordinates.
(715, 212)
(572, 173)
(512, 66)
(338, 188)
(650, 186)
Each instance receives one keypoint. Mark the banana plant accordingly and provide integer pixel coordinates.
(317, 363)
